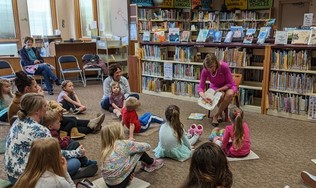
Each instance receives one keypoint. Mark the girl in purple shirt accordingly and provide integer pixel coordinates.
(221, 80)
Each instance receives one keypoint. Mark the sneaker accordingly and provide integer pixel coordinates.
(51, 92)
(158, 163)
(199, 129)
(85, 172)
(76, 111)
(192, 128)
(57, 82)
(309, 179)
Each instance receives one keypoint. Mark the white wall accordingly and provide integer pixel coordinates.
(119, 18)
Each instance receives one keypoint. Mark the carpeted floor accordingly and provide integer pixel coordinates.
(285, 146)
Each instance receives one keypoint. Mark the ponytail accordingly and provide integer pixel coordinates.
(236, 116)
(172, 114)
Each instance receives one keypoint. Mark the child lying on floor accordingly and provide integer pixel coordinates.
(131, 121)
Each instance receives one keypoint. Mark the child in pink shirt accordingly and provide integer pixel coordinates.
(236, 139)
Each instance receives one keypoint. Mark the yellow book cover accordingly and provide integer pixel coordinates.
(190, 90)
(285, 62)
(277, 63)
(173, 88)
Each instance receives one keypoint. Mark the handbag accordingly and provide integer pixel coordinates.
(85, 183)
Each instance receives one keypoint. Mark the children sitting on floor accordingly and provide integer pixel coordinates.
(173, 141)
(69, 99)
(236, 138)
(131, 121)
(52, 122)
(116, 100)
(119, 157)
(209, 168)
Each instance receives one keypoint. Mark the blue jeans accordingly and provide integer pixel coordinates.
(46, 72)
(105, 103)
(73, 166)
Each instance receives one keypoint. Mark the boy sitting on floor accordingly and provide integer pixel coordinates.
(131, 121)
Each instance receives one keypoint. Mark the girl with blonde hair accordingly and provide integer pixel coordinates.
(45, 167)
(5, 99)
(119, 156)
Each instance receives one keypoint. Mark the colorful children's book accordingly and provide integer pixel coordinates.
(281, 37)
(210, 93)
(262, 36)
(249, 36)
(203, 33)
(312, 37)
(229, 37)
(238, 31)
(196, 116)
(217, 36)
(159, 36)
(185, 36)
(289, 31)
(146, 36)
(210, 35)
(174, 35)
(300, 36)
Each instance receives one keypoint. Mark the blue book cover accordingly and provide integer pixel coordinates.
(217, 36)
(229, 37)
(203, 33)
(249, 36)
(262, 37)
(238, 31)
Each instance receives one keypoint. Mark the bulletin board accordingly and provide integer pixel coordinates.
(119, 21)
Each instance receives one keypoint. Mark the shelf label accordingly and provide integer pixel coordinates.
(182, 3)
(259, 4)
(167, 71)
(236, 4)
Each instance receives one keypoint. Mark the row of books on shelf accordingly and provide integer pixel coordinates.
(249, 97)
(180, 71)
(175, 87)
(295, 104)
(163, 14)
(243, 15)
(299, 83)
(291, 59)
(204, 16)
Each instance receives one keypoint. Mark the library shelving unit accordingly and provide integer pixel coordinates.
(291, 80)
(113, 51)
(173, 70)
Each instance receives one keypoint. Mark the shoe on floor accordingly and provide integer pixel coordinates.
(158, 163)
(76, 111)
(57, 82)
(51, 92)
(309, 179)
(85, 172)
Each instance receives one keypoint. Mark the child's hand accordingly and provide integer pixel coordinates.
(63, 162)
(82, 150)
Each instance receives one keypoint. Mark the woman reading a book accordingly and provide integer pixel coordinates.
(221, 80)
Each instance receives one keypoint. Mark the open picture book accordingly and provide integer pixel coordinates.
(210, 93)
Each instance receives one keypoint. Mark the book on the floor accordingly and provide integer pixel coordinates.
(210, 93)
(196, 116)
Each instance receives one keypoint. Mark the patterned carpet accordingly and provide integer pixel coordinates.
(285, 146)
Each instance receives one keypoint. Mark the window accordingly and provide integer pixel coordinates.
(7, 29)
(105, 17)
(40, 17)
(86, 17)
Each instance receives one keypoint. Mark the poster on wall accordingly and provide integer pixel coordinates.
(259, 4)
(182, 3)
(236, 4)
(196, 3)
(167, 4)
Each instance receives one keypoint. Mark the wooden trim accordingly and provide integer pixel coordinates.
(77, 19)
(16, 25)
(95, 14)
(9, 40)
(265, 81)
(54, 14)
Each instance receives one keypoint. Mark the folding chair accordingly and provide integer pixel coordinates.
(68, 64)
(237, 79)
(7, 72)
(87, 57)
(35, 76)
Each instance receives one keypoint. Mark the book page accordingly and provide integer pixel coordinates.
(210, 94)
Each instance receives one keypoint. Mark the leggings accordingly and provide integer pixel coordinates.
(67, 123)
(144, 158)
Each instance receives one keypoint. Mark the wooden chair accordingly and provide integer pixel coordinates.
(237, 79)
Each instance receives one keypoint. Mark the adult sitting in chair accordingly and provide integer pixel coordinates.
(115, 75)
(220, 77)
(33, 63)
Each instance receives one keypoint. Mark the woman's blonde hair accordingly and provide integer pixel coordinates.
(210, 60)
(236, 115)
(109, 134)
(50, 117)
(4, 82)
(45, 155)
(30, 103)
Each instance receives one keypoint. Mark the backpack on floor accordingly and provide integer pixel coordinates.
(85, 183)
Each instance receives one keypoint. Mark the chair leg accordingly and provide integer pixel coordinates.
(83, 80)
(209, 114)
(226, 114)
(237, 101)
